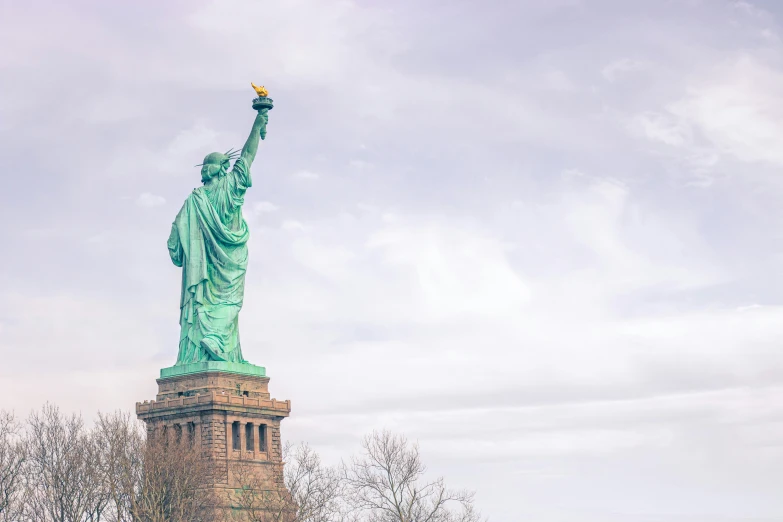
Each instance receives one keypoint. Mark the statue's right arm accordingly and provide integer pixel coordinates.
(258, 131)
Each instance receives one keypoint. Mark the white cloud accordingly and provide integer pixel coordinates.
(306, 174)
(619, 67)
(100, 237)
(749, 9)
(188, 148)
(573, 173)
(360, 164)
(328, 260)
(557, 80)
(739, 110)
(770, 36)
(146, 199)
(176, 155)
(293, 225)
(732, 111)
(458, 270)
(664, 128)
(263, 207)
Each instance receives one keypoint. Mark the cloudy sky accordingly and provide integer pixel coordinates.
(542, 238)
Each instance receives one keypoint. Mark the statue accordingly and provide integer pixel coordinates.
(209, 241)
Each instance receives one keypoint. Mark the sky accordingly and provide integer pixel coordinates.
(542, 239)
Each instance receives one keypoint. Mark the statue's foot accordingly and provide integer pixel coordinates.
(211, 347)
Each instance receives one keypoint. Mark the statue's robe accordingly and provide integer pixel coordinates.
(209, 241)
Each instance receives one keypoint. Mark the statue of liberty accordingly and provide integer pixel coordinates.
(209, 241)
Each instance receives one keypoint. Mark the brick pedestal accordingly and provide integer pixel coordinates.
(230, 416)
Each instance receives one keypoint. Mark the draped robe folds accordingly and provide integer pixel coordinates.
(209, 241)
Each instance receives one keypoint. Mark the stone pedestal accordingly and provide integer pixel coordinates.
(230, 416)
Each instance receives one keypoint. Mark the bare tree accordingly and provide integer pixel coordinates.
(310, 491)
(316, 490)
(111, 473)
(98, 502)
(120, 439)
(171, 485)
(12, 460)
(387, 484)
(61, 483)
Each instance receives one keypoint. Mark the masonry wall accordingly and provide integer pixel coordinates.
(210, 404)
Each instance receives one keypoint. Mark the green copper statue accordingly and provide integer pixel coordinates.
(209, 241)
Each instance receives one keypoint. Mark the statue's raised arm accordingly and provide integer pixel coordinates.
(258, 131)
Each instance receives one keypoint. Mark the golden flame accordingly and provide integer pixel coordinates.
(261, 91)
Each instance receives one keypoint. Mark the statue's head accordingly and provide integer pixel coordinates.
(216, 164)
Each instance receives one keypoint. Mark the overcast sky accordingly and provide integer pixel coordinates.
(542, 238)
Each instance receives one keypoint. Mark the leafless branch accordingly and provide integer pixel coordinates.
(386, 483)
(12, 461)
(310, 491)
(60, 482)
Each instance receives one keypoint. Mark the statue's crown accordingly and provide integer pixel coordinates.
(219, 158)
(215, 158)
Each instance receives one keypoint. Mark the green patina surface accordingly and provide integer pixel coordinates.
(213, 366)
(209, 241)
